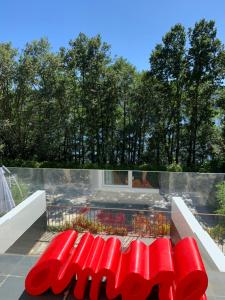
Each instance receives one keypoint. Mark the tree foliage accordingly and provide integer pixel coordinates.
(80, 105)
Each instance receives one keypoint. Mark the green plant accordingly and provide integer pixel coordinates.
(174, 167)
(217, 232)
(20, 191)
(120, 231)
(145, 167)
(163, 230)
(82, 224)
(59, 228)
(220, 197)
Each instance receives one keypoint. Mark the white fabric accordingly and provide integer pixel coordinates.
(6, 199)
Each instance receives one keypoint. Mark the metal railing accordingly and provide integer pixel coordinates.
(115, 221)
(214, 224)
(120, 221)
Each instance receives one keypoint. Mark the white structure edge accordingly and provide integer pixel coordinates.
(187, 225)
(19, 219)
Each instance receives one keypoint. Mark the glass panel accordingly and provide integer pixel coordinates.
(143, 179)
(116, 177)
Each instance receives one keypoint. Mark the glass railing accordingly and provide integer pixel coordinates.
(68, 186)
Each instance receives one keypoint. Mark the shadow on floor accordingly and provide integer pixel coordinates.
(45, 296)
(26, 242)
(68, 295)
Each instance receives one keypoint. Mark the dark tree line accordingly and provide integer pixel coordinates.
(81, 105)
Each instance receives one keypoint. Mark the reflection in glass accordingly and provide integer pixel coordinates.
(116, 177)
(143, 179)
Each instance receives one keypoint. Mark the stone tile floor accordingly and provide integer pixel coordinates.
(12, 281)
(13, 271)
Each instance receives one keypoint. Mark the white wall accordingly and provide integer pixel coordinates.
(19, 219)
(187, 225)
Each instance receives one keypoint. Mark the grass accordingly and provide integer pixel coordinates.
(20, 191)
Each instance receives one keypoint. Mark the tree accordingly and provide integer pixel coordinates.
(88, 58)
(8, 66)
(167, 65)
(29, 107)
(204, 74)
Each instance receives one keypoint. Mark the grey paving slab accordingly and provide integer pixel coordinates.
(24, 265)
(2, 279)
(13, 289)
(216, 286)
(8, 263)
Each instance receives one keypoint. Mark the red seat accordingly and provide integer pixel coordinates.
(179, 272)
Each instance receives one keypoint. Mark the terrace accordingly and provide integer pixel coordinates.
(127, 204)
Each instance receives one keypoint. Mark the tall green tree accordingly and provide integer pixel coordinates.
(88, 58)
(8, 67)
(204, 74)
(167, 65)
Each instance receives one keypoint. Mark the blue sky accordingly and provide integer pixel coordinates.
(131, 27)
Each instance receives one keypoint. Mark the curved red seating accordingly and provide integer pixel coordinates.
(179, 272)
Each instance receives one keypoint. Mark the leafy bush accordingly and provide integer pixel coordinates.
(220, 197)
(217, 233)
(75, 165)
(21, 163)
(82, 224)
(174, 167)
(156, 225)
(213, 166)
(144, 167)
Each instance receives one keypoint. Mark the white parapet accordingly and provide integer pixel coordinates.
(187, 225)
(19, 219)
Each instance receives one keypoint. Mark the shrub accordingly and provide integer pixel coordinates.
(21, 163)
(82, 224)
(120, 231)
(174, 167)
(144, 167)
(217, 232)
(220, 197)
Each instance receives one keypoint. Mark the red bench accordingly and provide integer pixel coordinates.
(179, 272)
